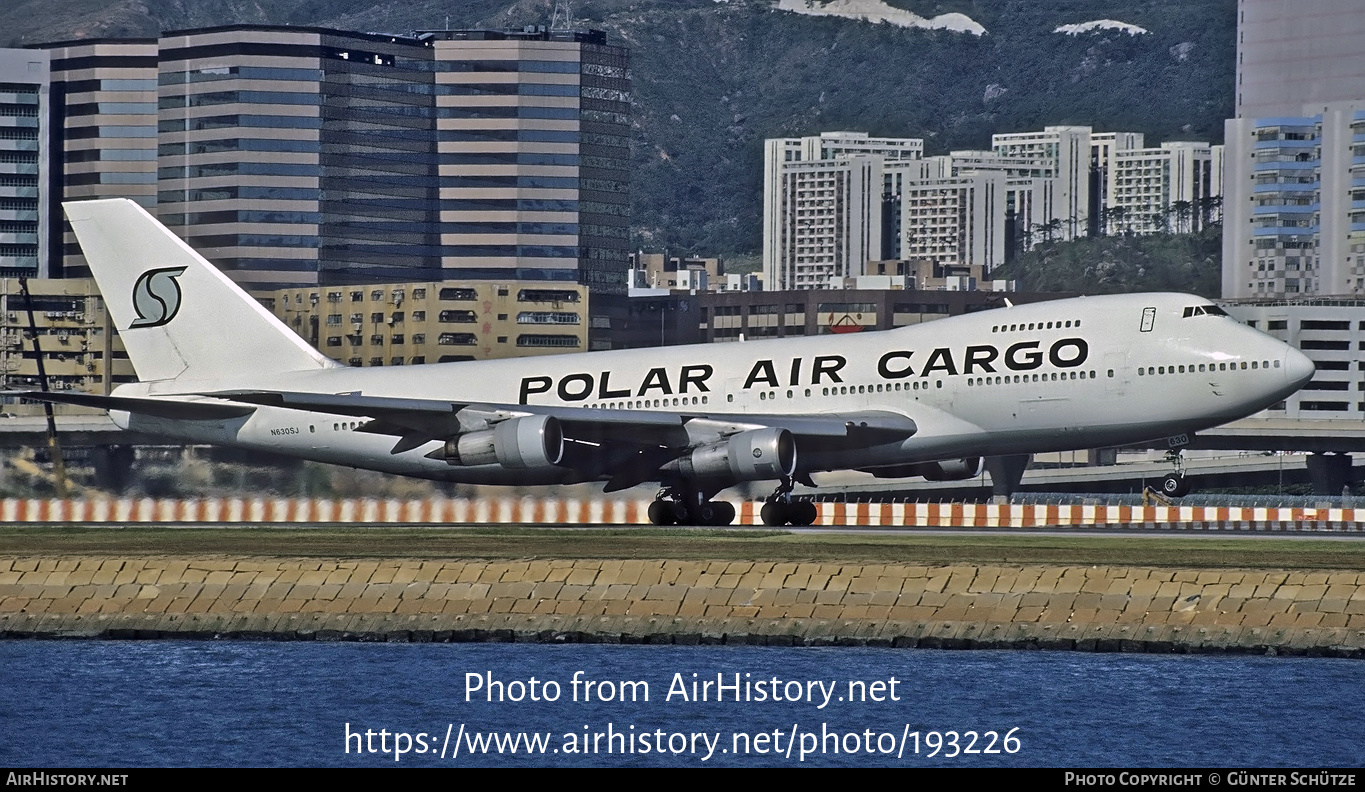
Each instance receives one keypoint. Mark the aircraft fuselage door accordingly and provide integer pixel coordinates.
(1148, 320)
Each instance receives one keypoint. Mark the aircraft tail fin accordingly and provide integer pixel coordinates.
(178, 315)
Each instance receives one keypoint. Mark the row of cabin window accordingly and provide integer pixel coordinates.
(1190, 369)
(644, 404)
(1053, 377)
(1035, 326)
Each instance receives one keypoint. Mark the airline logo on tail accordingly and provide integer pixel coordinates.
(156, 297)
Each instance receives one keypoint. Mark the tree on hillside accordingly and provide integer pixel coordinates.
(1124, 263)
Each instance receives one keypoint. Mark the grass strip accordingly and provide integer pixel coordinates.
(1202, 551)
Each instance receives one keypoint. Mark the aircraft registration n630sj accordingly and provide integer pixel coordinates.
(929, 400)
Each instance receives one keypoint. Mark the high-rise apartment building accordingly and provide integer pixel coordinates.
(104, 97)
(1294, 215)
(1103, 147)
(1066, 152)
(1294, 167)
(533, 139)
(25, 144)
(1292, 53)
(830, 222)
(1169, 188)
(955, 222)
(969, 211)
(1012, 199)
(827, 205)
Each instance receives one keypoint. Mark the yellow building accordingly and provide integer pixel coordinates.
(411, 323)
(80, 350)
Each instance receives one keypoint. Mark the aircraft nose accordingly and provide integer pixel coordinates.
(1298, 369)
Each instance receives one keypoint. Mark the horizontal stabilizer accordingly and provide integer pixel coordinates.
(159, 408)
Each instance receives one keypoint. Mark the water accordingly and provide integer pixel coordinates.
(185, 703)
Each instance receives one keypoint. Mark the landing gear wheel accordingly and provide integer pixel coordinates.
(661, 513)
(706, 513)
(1175, 486)
(714, 513)
(774, 513)
(804, 513)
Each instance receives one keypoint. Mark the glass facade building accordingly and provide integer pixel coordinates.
(304, 156)
(533, 135)
(104, 93)
(295, 156)
(24, 148)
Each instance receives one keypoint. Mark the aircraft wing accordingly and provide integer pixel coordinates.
(419, 421)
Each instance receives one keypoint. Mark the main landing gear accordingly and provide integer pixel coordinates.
(678, 504)
(782, 510)
(1177, 484)
(675, 505)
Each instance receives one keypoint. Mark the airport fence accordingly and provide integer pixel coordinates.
(549, 511)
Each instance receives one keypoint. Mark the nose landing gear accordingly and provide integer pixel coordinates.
(1177, 484)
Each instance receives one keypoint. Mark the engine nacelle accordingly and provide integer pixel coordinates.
(755, 455)
(943, 470)
(526, 443)
(952, 469)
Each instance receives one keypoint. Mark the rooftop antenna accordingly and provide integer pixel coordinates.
(563, 17)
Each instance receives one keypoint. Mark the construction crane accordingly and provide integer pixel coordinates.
(59, 480)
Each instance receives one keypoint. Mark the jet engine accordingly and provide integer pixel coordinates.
(943, 470)
(952, 469)
(525, 443)
(755, 455)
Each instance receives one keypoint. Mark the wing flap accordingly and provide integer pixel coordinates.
(401, 415)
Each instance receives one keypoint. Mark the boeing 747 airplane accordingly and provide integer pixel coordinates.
(930, 400)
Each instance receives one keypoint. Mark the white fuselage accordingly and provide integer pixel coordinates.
(1065, 374)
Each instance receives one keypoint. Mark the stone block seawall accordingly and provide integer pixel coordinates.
(1105, 608)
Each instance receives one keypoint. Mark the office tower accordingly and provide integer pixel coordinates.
(24, 150)
(104, 99)
(298, 156)
(533, 136)
(302, 156)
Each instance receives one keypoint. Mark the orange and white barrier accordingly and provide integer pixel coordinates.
(501, 511)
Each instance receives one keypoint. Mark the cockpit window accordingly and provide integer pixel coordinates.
(1204, 310)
